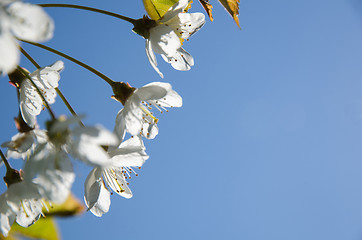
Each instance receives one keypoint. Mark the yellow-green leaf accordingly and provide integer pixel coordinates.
(157, 8)
(72, 206)
(44, 228)
(9, 237)
(232, 6)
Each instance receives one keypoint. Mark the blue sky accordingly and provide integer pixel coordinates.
(268, 142)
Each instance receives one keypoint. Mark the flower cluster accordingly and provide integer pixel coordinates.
(49, 151)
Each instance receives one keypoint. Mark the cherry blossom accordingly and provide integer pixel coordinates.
(20, 20)
(22, 203)
(100, 181)
(136, 117)
(46, 79)
(164, 37)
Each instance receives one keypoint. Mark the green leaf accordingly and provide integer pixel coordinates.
(44, 228)
(157, 8)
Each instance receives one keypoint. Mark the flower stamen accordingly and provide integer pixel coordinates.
(148, 113)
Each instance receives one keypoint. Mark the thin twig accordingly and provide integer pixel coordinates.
(101, 75)
(131, 20)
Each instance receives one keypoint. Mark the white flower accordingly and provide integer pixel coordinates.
(136, 118)
(21, 202)
(50, 163)
(52, 170)
(84, 143)
(87, 143)
(46, 79)
(164, 37)
(23, 143)
(20, 20)
(130, 153)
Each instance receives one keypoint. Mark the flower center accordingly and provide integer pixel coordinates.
(116, 179)
(59, 138)
(144, 108)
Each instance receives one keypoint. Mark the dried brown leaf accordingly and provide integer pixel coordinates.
(208, 8)
(232, 6)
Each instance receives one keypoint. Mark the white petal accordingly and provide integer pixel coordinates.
(150, 130)
(6, 220)
(152, 91)
(152, 58)
(116, 182)
(132, 117)
(186, 24)
(96, 196)
(87, 141)
(23, 144)
(5, 2)
(17, 149)
(130, 154)
(14, 155)
(90, 154)
(20, 145)
(171, 99)
(30, 102)
(180, 60)
(120, 126)
(30, 22)
(164, 40)
(96, 135)
(22, 191)
(58, 66)
(54, 172)
(41, 135)
(29, 213)
(29, 118)
(37, 161)
(48, 77)
(7, 217)
(55, 185)
(49, 95)
(20, 142)
(9, 54)
(133, 143)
